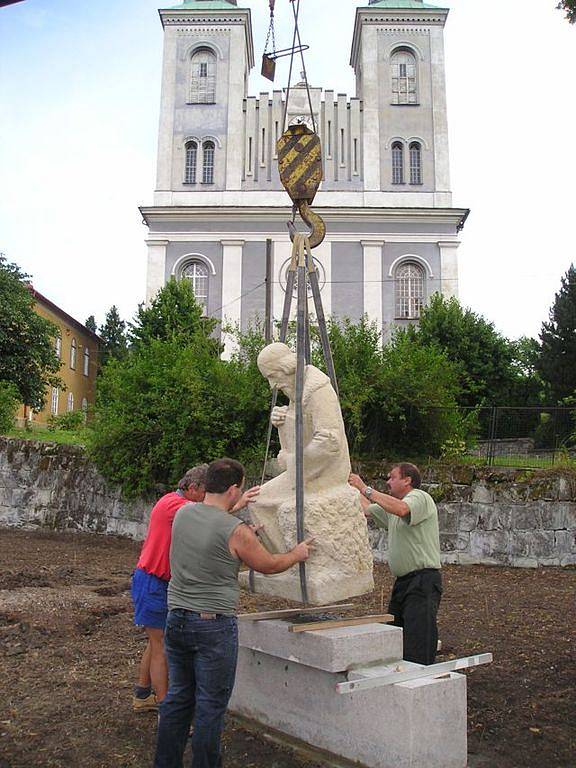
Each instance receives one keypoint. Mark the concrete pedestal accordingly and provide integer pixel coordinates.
(287, 681)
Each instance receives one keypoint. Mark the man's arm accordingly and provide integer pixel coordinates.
(389, 503)
(245, 545)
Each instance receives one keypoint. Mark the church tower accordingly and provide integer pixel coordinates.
(208, 54)
(398, 58)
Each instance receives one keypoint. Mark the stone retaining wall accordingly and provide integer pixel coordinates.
(55, 486)
(505, 517)
(519, 518)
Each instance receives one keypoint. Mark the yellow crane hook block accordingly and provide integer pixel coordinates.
(300, 166)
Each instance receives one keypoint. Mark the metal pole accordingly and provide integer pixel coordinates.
(268, 309)
(325, 341)
(300, 368)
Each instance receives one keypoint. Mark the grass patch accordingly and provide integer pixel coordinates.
(45, 435)
(559, 461)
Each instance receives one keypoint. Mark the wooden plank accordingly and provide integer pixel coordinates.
(291, 612)
(434, 670)
(380, 618)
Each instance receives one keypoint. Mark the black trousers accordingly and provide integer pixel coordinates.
(414, 605)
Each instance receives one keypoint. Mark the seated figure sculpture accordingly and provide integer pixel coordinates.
(341, 565)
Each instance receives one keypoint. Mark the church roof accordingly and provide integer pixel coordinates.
(417, 4)
(204, 5)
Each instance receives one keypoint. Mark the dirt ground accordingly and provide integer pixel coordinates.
(68, 656)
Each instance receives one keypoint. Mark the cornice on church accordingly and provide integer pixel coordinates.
(410, 16)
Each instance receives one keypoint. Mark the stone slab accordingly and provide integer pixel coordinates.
(332, 650)
(416, 724)
(322, 590)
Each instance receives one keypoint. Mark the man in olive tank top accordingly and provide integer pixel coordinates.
(201, 638)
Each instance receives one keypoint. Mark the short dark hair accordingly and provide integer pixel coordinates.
(222, 474)
(195, 476)
(411, 471)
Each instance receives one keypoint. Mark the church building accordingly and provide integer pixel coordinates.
(392, 233)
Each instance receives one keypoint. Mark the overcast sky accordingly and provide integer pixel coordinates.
(79, 97)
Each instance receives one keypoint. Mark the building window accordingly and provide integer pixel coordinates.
(397, 163)
(85, 409)
(191, 161)
(203, 77)
(409, 281)
(197, 273)
(86, 361)
(58, 347)
(73, 352)
(403, 66)
(415, 163)
(208, 162)
(70, 402)
(54, 402)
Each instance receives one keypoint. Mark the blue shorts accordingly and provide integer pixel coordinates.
(150, 598)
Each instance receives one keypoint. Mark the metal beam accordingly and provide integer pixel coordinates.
(433, 670)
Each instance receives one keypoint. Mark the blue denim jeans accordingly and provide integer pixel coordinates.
(202, 656)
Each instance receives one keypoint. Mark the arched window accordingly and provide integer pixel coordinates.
(86, 361)
(415, 163)
(70, 403)
(203, 77)
(54, 402)
(197, 273)
(397, 163)
(208, 162)
(85, 409)
(73, 352)
(409, 280)
(403, 65)
(191, 162)
(58, 347)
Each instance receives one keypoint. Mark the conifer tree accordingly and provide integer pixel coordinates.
(557, 362)
(113, 334)
(570, 7)
(91, 324)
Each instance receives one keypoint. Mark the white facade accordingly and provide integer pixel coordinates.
(386, 191)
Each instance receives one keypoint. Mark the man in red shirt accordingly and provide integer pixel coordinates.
(150, 584)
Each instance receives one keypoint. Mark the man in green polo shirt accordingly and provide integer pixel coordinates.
(410, 516)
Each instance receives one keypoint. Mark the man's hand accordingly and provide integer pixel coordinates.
(247, 497)
(278, 415)
(303, 550)
(356, 482)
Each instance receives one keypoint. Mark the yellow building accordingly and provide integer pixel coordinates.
(77, 348)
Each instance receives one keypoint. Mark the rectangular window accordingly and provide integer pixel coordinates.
(250, 155)
(54, 402)
(276, 140)
(329, 142)
(342, 148)
(355, 155)
(203, 69)
(263, 152)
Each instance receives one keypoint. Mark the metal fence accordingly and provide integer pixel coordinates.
(530, 437)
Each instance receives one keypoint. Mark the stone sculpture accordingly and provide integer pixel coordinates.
(341, 565)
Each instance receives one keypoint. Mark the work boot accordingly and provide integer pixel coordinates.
(145, 703)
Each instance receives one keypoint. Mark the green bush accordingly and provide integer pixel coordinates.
(9, 404)
(68, 422)
(169, 406)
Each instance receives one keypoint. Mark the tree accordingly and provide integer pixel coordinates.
(113, 334)
(91, 324)
(173, 313)
(169, 405)
(27, 341)
(570, 7)
(484, 357)
(557, 360)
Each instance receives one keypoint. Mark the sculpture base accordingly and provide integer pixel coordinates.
(292, 690)
(321, 590)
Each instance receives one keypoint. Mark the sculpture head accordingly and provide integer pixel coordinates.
(277, 363)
